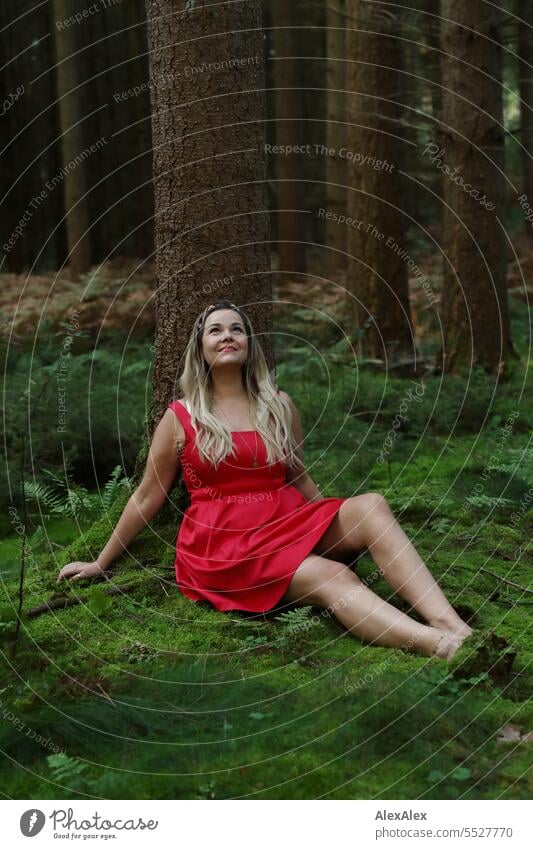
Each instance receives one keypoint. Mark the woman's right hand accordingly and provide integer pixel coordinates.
(78, 569)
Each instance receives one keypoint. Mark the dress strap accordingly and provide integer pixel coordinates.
(183, 415)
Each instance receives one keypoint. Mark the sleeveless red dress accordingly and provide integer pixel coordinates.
(246, 530)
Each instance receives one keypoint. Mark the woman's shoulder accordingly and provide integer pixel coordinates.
(180, 414)
(181, 402)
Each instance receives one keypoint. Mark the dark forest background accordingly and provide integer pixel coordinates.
(358, 175)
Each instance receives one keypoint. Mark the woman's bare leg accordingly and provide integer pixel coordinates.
(366, 521)
(333, 585)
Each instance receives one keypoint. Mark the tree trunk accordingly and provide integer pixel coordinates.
(525, 77)
(475, 316)
(433, 71)
(71, 112)
(290, 134)
(142, 200)
(209, 170)
(336, 132)
(28, 155)
(378, 269)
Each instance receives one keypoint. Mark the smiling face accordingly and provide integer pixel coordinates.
(224, 340)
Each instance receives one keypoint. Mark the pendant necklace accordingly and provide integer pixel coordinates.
(254, 464)
(255, 455)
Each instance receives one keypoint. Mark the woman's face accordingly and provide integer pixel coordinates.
(224, 340)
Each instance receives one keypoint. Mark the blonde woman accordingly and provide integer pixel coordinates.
(258, 533)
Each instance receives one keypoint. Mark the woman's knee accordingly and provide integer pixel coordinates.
(370, 510)
(317, 580)
(374, 503)
(337, 581)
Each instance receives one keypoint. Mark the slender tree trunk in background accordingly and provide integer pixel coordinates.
(336, 132)
(142, 201)
(410, 95)
(433, 72)
(209, 169)
(29, 129)
(290, 132)
(378, 273)
(98, 97)
(475, 315)
(71, 113)
(525, 78)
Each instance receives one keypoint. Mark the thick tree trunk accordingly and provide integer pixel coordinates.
(209, 169)
(290, 134)
(378, 268)
(525, 77)
(336, 131)
(475, 316)
(71, 114)
(29, 129)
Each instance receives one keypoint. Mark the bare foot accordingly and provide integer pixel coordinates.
(456, 627)
(449, 643)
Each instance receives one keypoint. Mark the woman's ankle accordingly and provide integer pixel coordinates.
(451, 623)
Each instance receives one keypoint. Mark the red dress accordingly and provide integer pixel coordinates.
(246, 529)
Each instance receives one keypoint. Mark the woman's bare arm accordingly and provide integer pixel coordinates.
(301, 480)
(145, 502)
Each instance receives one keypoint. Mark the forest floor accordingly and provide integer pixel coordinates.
(145, 694)
(118, 295)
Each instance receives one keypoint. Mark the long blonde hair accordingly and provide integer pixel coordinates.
(270, 413)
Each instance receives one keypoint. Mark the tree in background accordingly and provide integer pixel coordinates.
(116, 88)
(29, 140)
(336, 130)
(525, 78)
(378, 273)
(290, 132)
(475, 315)
(71, 113)
(209, 170)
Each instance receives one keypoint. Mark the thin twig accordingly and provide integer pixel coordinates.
(69, 601)
(506, 580)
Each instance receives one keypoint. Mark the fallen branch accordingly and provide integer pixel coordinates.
(506, 581)
(69, 601)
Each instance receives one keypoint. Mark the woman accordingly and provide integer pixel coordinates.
(258, 533)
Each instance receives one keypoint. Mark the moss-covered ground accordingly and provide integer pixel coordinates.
(145, 694)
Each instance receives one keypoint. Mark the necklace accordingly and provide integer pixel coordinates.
(255, 462)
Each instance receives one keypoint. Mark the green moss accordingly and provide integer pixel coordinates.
(253, 709)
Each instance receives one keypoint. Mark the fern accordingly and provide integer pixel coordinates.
(489, 501)
(67, 771)
(112, 487)
(44, 496)
(296, 620)
(521, 463)
(75, 501)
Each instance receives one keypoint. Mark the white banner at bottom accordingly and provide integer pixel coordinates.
(241, 823)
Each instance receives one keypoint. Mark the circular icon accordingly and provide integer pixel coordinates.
(31, 822)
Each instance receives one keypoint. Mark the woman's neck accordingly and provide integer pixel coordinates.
(228, 388)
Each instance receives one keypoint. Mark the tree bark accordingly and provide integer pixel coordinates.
(71, 114)
(290, 169)
(378, 271)
(212, 224)
(475, 316)
(29, 128)
(336, 131)
(525, 77)
(433, 71)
